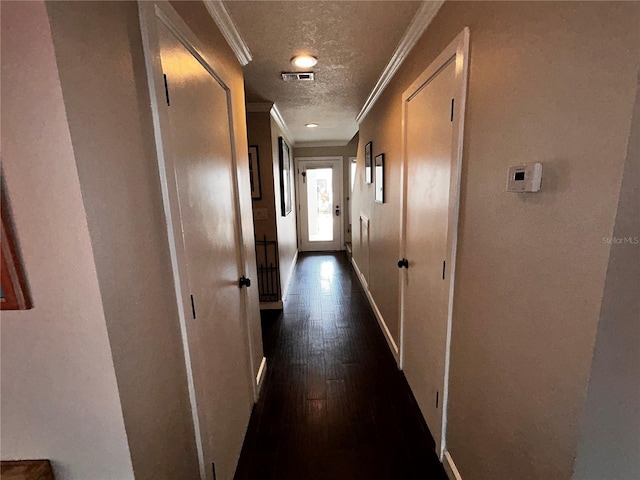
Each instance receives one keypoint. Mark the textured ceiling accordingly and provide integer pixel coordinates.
(353, 41)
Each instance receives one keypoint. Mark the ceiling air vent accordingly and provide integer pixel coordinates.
(297, 76)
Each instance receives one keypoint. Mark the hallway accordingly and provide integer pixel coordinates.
(334, 405)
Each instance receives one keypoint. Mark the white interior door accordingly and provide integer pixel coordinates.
(432, 129)
(200, 155)
(320, 203)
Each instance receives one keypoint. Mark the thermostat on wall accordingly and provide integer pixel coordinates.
(525, 178)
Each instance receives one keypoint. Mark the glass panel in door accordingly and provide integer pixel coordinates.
(319, 204)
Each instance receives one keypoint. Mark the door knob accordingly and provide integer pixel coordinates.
(403, 263)
(244, 282)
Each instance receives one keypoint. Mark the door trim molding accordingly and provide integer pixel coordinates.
(285, 290)
(450, 467)
(150, 13)
(296, 161)
(262, 373)
(457, 51)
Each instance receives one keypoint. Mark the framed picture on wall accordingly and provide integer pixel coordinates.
(13, 289)
(286, 179)
(379, 174)
(254, 173)
(367, 162)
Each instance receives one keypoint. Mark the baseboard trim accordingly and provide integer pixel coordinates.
(383, 325)
(271, 305)
(450, 467)
(262, 372)
(285, 290)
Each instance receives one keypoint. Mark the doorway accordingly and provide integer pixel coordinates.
(196, 150)
(319, 183)
(433, 113)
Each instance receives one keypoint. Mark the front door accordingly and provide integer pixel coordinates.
(320, 203)
(200, 152)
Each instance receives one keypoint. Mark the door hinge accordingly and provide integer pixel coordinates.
(193, 308)
(437, 399)
(453, 101)
(166, 89)
(444, 266)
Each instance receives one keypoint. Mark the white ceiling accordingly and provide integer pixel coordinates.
(353, 41)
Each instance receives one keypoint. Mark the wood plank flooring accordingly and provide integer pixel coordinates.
(334, 405)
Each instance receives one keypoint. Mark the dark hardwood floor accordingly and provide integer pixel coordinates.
(334, 405)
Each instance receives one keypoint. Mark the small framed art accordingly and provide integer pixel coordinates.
(14, 293)
(286, 197)
(254, 173)
(379, 175)
(367, 162)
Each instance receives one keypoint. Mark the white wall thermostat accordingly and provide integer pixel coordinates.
(525, 178)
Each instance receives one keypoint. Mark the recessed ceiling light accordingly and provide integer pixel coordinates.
(311, 125)
(304, 61)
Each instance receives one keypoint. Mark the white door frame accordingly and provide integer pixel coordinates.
(457, 51)
(349, 201)
(297, 162)
(150, 13)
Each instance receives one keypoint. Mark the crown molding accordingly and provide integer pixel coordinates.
(256, 107)
(277, 117)
(328, 143)
(228, 28)
(416, 28)
(272, 109)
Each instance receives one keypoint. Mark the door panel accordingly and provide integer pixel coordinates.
(320, 197)
(429, 137)
(200, 148)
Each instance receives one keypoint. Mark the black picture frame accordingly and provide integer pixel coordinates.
(286, 179)
(254, 173)
(379, 178)
(368, 148)
(14, 291)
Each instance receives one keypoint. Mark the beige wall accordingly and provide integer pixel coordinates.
(112, 135)
(259, 130)
(349, 150)
(109, 118)
(287, 230)
(264, 132)
(550, 82)
(610, 430)
(59, 394)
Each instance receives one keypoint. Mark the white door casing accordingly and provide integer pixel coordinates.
(364, 249)
(306, 167)
(196, 154)
(432, 132)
